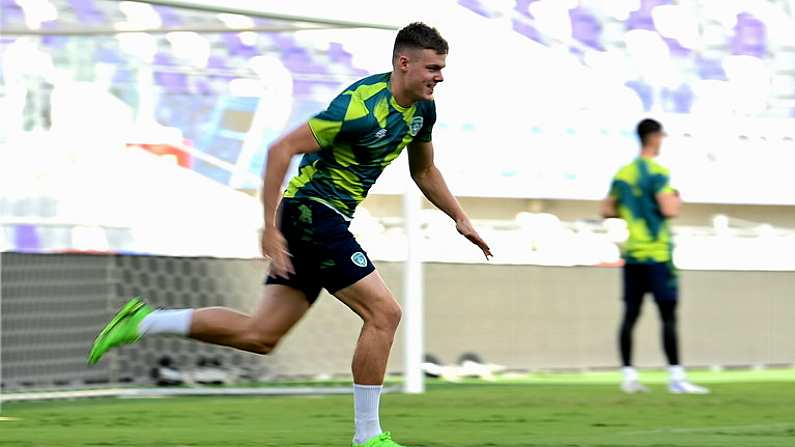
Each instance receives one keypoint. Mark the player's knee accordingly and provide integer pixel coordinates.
(394, 315)
(263, 347)
(629, 320)
(630, 317)
(387, 316)
(262, 343)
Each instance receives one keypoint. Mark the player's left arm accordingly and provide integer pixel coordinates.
(670, 203)
(430, 181)
(667, 197)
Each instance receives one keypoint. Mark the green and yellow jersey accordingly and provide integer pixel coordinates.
(361, 132)
(635, 188)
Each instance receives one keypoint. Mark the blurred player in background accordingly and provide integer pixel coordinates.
(345, 149)
(641, 194)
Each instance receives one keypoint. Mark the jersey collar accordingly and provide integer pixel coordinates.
(392, 99)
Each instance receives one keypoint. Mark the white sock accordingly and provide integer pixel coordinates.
(365, 407)
(677, 373)
(168, 321)
(630, 374)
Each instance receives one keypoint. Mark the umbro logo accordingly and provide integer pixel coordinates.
(381, 133)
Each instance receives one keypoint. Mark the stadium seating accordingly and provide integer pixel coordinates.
(199, 97)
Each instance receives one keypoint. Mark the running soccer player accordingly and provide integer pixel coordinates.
(641, 194)
(345, 148)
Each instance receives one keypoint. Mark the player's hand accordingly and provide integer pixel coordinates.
(464, 226)
(274, 248)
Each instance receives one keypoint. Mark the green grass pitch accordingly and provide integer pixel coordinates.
(745, 409)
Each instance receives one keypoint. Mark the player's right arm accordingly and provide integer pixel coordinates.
(608, 208)
(274, 246)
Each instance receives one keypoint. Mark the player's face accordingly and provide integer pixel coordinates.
(423, 72)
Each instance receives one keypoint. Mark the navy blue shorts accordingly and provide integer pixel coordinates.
(324, 253)
(658, 278)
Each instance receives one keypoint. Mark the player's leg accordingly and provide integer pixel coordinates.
(635, 287)
(348, 274)
(670, 342)
(284, 302)
(380, 312)
(665, 287)
(279, 309)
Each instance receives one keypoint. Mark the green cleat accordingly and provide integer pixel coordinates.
(382, 440)
(122, 329)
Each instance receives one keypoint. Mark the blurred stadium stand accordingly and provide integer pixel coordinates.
(211, 100)
(139, 130)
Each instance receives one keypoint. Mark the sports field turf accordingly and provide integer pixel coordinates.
(746, 409)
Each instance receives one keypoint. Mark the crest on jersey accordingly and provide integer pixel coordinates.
(415, 126)
(359, 259)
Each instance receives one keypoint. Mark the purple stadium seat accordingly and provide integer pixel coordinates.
(87, 12)
(236, 47)
(302, 87)
(523, 7)
(578, 54)
(52, 41)
(585, 27)
(677, 50)
(283, 40)
(477, 7)
(216, 62)
(108, 55)
(12, 14)
(642, 19)
(168, 16)
(297, 60)
(219, 68)
(645, 93)
(26, 238)
(173, 82)
(164, 59)
(202, 87)
(527, 30)
(7, 5)
(710, 69)
(123, 76)
(219, 75)
(750, 36)
(338, 55)
(678, 100)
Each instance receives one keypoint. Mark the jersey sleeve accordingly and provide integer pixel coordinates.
(327, 124)
(615, 190)
(662, 183)
(339, 120)
(428, 120)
